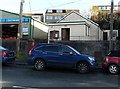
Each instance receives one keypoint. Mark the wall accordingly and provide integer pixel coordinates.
(98, 49)
(88, 47)
(39, 29)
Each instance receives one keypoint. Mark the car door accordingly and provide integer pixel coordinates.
(50, 53)
(67, 57)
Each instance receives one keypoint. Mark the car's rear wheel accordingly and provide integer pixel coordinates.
(39, 64)
(113, 69)
(83, 67)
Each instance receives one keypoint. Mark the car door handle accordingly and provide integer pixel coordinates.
(60, 54)
(44, 52)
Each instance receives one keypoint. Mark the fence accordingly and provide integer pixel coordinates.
(25, 44)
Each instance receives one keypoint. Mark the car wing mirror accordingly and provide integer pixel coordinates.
(71, 53)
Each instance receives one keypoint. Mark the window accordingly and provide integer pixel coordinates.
(49, 17)
(49, 11)
(36, 17)
(59, 11)
(106, 8)
(54, 11)
(87, 30)
(64, 11)
(58, 17)
(114, 33)
(101, 7)
(54, 34)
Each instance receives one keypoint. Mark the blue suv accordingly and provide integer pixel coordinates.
(60, 55)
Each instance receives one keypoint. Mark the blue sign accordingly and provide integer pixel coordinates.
(13, 20)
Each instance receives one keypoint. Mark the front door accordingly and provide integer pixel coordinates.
(105, 36)
(65, 34)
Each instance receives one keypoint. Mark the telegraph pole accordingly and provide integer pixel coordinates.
(111, 27)
(19, 27)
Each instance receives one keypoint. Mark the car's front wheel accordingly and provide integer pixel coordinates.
(39, 64)
(113, 68)
(83, 67)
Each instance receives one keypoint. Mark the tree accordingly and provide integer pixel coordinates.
(103, 19)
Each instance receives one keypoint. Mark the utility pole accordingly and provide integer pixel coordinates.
(111, 27)
(19, 27)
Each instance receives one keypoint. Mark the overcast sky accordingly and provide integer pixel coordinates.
(41, 5)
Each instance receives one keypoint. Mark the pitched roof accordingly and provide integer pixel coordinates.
(12, 13)
(59, 21)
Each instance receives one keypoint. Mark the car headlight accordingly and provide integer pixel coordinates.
(91, 58)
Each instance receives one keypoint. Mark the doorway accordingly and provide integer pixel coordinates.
(105, 36)
(9, 31)
(65, 34)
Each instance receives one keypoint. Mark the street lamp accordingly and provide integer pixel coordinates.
(19, 27)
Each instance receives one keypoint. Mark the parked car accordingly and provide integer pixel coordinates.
(7, 55)
(59, 55)
(112, 62)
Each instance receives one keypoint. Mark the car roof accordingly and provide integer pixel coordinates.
(51, 44)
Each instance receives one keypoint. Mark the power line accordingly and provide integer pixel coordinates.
(50, 3)
(58, 5)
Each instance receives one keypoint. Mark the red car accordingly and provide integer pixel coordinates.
(112, 62)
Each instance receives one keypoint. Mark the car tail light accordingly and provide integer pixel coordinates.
(3, 54)
(30, 52)
(106, 59)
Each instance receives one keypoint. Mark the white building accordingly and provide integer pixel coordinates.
(106, 34)
(73, 26)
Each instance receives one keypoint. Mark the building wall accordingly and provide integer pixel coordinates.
(53, 14)
(39, 30)
(78, 32)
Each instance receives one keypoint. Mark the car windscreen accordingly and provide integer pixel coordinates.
(73, 49)
(2, 48)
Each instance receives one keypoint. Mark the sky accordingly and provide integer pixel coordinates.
(39, 6)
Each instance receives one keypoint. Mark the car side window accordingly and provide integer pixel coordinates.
(65, 49)
(48, 48)
(40, 48)
(114, 54)
(118, 53)
(51, 48)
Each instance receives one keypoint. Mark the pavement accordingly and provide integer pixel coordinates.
(20, 62)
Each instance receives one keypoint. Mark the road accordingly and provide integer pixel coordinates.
(25, 76)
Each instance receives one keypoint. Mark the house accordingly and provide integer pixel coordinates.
(106, 34)
(73, 26)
